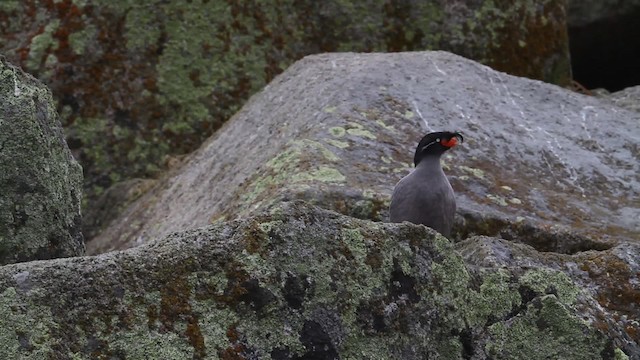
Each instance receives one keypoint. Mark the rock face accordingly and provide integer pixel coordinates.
(340, 130)
(305, 283)
(40, 182)
(139, 80)
(628, 98)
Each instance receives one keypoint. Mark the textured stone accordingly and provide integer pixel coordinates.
(339, 130)
(299, 283)
(137, 80)
(40, 182)
(628, 98)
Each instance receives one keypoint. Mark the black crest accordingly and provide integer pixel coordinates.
(436, 143)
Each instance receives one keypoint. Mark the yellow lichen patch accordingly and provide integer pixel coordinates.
(499, 200)
(337, 143)
(323, 174)
(314, 145)
(478, 173)
(387, 127)
(358, 130)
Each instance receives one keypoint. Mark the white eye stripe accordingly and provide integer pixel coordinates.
(429, 144)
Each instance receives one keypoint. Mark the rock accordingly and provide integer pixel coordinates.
(610, 277)
(628, 98)
(301, 282)
(40, 182)
(112, 203)
(585, 12)
(339, 130)
(138, 80)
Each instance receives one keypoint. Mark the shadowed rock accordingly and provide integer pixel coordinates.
(40, 182)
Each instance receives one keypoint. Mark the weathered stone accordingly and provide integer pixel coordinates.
(628, 98)
(138, 80)
(611, 278)
(40, 182)
(339, 130)
(112, 203)
(299, 283)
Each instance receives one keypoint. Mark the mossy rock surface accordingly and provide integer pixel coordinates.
(297, 282)
(40, 181)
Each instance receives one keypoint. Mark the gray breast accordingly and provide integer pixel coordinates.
(424, 197)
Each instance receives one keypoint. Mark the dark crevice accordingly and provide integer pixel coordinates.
(605, 53)
(550, 239)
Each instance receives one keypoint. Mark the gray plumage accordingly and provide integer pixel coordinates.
(425, 195)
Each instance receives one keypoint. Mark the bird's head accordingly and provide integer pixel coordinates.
(435, 144)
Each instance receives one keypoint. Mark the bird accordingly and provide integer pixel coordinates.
(425, 196)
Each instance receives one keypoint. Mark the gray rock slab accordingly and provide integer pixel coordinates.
(340, 130)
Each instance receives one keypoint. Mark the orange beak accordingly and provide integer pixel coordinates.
(449, 143)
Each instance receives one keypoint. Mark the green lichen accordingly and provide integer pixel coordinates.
(9, 5)
(620, 355)
(24, 326)
(317, 147)
(78, 40)
(496, 298)
(337, 131)
(266, 227)
(546, 330)
(355, 242)
(385, 126)
(543, 281)
(478, 173)
(496, 199)
(286, 168)
(41, 44)
(337, 143)
(358, 130)
(322, 174)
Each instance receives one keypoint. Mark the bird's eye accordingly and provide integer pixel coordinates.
(438, 140)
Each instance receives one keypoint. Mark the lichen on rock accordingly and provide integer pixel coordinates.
(40, 181)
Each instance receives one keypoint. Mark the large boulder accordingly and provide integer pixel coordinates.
(540, 164)
(137, 80)
(40, 182)
(305, 283)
